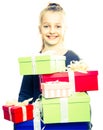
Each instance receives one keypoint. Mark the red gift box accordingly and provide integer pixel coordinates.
(18, 114)
(58, 76)
(82, 81)
(86, 81)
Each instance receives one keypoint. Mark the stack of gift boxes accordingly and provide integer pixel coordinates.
(65, 102)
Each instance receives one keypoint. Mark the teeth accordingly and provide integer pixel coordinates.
(52, 37)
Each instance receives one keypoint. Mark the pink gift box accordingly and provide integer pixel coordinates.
(56, 89)
(82, 81)
(18, 114)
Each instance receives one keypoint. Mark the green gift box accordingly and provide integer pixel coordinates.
(75, 108)
(41, 64)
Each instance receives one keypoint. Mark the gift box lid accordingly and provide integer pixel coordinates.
(78, 97)
(5, 107)
(60, 76)
(88, 73)
(15, 109)
(55, 85)
(41, 58)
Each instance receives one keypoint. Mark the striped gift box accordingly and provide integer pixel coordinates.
(56, 89)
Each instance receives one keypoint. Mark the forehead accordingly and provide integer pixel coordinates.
(53, 17)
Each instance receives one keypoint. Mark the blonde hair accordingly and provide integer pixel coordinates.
(54, 7)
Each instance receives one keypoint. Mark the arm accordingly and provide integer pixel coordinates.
(26, 90)
(30, 88)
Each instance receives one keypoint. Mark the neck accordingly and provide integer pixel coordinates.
(58, 49)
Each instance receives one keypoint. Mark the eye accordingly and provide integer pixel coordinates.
(58, 26)
(45, 26)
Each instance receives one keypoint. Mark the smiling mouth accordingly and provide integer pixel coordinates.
(52, 37)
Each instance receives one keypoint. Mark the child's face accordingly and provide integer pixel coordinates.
(52, 28)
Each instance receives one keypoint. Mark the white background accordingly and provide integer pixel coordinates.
(19, 36)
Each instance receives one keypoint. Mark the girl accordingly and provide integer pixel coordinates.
(52, 29)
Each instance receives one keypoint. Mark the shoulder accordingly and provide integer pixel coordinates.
(70, 52)
(70, 56)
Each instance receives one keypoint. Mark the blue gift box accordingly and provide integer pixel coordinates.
(26, 125)
(29, 125)
(68, 126)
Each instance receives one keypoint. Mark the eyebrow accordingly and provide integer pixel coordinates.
(54, 23)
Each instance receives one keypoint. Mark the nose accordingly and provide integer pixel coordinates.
(52, 30)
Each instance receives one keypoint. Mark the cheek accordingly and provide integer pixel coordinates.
(41, 30)
(62, 33)
(44, 32)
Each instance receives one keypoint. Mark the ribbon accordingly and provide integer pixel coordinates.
(16, 103)
(24, 113)
(79, 66)
(64, 109)
(37, 117)
(76, 66)
(10, 115)
(71, 81)
(33, 64)
(38, 125)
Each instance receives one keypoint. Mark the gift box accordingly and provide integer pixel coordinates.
(29, 125)
(68, 126)
(86, 81)
(75, 108)
(26, 125)
(58, 76)
(56, 89)
(41, 64)
(81, 81)
(18, 114)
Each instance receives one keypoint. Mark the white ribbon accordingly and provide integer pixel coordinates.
(33, 64)
(10, 115)
(38, 125)
(64, 109)
(71, 77)
(60, 68)
(79, 66)
(37, 110)
(24, 110)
